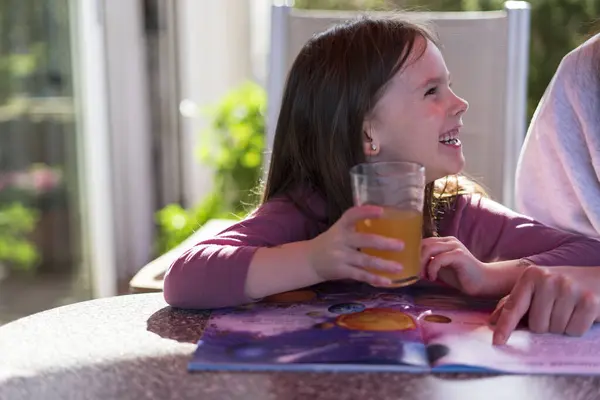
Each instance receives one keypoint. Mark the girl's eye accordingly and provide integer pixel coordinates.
(431, 91)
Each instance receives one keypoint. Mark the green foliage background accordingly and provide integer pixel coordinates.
(233, 146)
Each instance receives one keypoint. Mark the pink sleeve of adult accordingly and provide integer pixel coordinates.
(493, 232)
(212, 274)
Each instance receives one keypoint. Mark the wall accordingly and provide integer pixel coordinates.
(214, 57)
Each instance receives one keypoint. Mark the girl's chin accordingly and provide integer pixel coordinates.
(430, 178)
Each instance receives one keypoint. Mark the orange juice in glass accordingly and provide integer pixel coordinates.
(398, 187)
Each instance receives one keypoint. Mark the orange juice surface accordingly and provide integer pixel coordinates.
(405, 225)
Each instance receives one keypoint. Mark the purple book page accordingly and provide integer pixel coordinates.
(308, 329)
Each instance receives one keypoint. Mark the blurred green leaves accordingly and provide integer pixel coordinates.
(233, 147)
(17, 222)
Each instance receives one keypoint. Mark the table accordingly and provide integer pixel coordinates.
(136, 347)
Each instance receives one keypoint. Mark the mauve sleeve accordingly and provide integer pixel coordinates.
(212, 274)
(493, 232)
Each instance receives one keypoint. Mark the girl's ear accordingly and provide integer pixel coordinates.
(370, 144)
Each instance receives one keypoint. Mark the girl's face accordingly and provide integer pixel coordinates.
(419, 117)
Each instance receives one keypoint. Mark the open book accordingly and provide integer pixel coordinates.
(358, 328)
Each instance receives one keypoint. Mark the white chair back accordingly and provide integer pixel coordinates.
(487, 54)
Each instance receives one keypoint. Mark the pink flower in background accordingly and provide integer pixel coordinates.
(44, 179)
(39, 178)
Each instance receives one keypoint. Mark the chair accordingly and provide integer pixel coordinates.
(487, 54)
(150, 277)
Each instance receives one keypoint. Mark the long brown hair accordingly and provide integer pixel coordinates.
(335, 82)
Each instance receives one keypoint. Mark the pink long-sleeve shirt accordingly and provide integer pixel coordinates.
(212, 274)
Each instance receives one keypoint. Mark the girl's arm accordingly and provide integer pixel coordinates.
(280, 269)
(485, 248)
(215, 272)
(495, 233)
(276, 250)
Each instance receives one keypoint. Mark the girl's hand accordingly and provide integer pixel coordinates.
(447, 259)
(557, 299)
(335, 253)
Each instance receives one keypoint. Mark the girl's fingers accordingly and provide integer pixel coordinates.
(372, 241)
(448, 259)
(434, 248)
(362, 260)
(361, 275)
(356, 214)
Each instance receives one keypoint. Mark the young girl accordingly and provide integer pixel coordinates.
(368, 90)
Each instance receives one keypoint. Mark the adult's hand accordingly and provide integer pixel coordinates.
(557, 299)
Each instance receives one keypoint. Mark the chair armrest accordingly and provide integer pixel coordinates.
(150, 277)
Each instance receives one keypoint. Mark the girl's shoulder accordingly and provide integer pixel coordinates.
(295, 203)
(295, 215)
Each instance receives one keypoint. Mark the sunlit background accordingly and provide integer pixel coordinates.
(127, 125)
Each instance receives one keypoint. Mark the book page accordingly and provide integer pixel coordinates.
(458, 335)
(315, 327)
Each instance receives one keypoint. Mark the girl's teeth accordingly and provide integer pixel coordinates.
(454, 141)
(450, 138)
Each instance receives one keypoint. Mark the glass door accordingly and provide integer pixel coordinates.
(43, 182)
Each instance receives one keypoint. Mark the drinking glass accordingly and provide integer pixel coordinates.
(397, 187)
